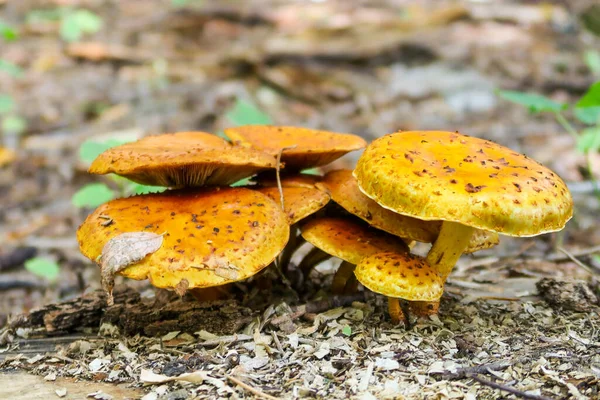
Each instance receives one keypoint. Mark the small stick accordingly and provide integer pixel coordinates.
(506, 388)
(251, 389)
(277, 169)
(226, 339)
(575, 260)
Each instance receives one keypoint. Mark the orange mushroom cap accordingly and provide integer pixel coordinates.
(349, 240)
(400, 275)
(182, 159)
(303, 147)
(210, 236)
(298, 202)
(451, 177)
(344, 190)
(293, 180)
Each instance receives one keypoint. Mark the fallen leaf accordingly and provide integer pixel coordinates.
(122, 251)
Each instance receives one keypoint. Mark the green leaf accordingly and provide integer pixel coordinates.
(589, 140)
(7, 104)
(40, 16)
(588, 115)
(90, 149)
(92, 195)
(7, 33)
(43, 267)
(311, 171)
(592, 60)
(78, 23)
(138, 188)
(591, 98)
(13, 125)
(347, 330)
(534, 102)
(11, 69)
(246, 113)
(241, 182)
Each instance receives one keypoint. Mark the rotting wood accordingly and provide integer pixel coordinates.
(132, 315)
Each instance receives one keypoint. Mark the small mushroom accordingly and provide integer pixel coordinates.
(400, 275)
(350, 240)
(467, 182)
(303, 147)
(183, 159)
(211, 236)
(344, 190)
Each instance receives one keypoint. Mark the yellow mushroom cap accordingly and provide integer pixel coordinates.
(448, 176)
(182, 159)
(210, 236)
(311, 147)
(6, 156)
(349, 240)
(298, 202)
(344, 190)
(400, 275)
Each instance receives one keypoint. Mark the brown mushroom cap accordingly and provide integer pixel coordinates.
(349, 240)
(211, 236)
(182, 159)
(451, 177)
(311, 147)
(299, 202)
(400, 275)
(343, 188)
(293, 180)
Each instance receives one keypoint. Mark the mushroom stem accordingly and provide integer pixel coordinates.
(341, 277)
(311, 259)
(351, 285)
(395, 310)
(296, 240)
(448, 247)
(423, 308)
(210, 293)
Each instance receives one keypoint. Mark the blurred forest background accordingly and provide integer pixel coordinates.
(78, 76)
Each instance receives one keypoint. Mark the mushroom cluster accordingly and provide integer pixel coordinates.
(453, 191)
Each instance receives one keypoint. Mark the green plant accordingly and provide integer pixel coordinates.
(44, 267)
(586, 112)
(10, 122)
(7, 32)
(74, 22)
(94, 194)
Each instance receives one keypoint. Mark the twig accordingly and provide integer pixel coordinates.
(226, 339)
(575, 260)
(251, 389)
(550, 257)
(277, 174)
(506, 388)
(480, 369)
(16, 257)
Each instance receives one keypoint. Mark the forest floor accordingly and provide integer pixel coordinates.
(517, 321)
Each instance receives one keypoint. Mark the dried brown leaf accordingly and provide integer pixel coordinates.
(122, 251)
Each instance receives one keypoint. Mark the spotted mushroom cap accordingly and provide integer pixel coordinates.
(348, 239)
(401, 275)
(182, 159)
(343, 188)
(293, 180)
(448, 176)
(212, 236)
(298, 202)
(313, 147)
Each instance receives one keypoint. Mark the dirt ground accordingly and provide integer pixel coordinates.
(520, 320)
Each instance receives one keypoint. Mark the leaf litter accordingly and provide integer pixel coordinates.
(474, 344)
